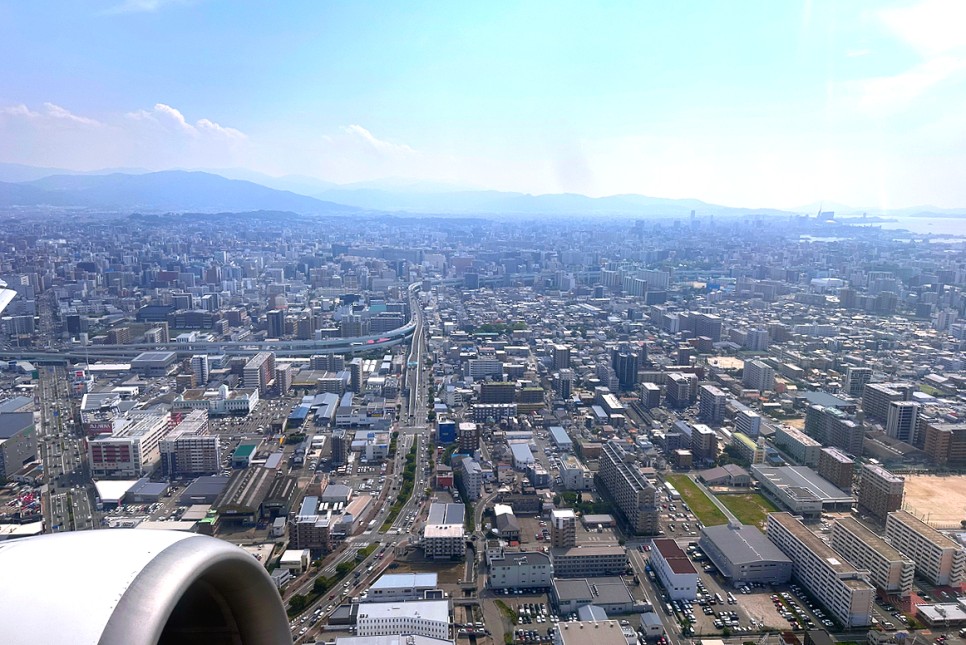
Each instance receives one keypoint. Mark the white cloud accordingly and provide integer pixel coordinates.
(889, 94)
(19, 110)
(932, 27)
(144, 6)
(57, 112)
(379, 145)
(165, 116)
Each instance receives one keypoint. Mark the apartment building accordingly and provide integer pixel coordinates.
(634, 496)
(711, 404)
(589, 561)
(939, 559)
(189, 449)
(856, 378)
(259, 372)
(837, 467)
(888, 569)
(902, 421)
(798, 445)
(758, 375)
(877, 396)
(839, 586)
(443, 535)
(563, 528)
(575, 475)
(880, 492)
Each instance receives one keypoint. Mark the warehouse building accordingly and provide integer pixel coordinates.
(801, 490)
(743, 554)
(674, 568)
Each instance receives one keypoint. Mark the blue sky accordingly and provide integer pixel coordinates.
(736, 102)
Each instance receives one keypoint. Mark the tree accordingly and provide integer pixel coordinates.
(344, 568)
(297, 602)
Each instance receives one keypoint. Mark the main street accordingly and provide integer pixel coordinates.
(66, 498)
(402, 530)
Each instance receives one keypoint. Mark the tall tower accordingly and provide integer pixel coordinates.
(563, 528)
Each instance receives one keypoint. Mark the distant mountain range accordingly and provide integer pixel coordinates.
(239, 190)
(172, 190)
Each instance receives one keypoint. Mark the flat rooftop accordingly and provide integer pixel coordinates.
(743, 544)
(801, 481)
(815, 545)
(872, 540)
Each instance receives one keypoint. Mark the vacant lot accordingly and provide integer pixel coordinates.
(697, 501)
(938, 500)
(750, 508)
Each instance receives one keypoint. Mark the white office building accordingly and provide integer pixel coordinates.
(428, 618)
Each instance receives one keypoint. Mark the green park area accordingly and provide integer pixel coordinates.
(699, 503)
(749, 508)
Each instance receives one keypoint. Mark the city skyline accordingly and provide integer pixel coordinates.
(809, 102)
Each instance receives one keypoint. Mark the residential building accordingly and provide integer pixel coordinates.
(837, 585)
(704, 443)
(902, 421)
(799, 446)
(563, 528)
(758, 375)
(711, 404)
(748, 423)
(575, 475)
(748, 449)
(678, 388)
(877, 396)
(939, 559)
(889, 570)
(444, 536)
(259, 372)
(837, 467)
(880, 492)
(856, 378)
(189, 449)
(589, 560)
(633, 495)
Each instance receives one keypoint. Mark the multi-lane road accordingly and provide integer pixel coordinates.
(66, 494)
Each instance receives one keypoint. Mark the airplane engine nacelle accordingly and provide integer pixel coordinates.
(136, 587)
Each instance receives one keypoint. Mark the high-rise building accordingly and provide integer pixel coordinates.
(839, 586)
(939, 559)
(561, 357)
(276, 323)
(199, 367)
(678, 389)
(626, 364)
(355, 375)
(563, 383)
(877, 396)
(259, 372)
(748, 422)
(880, 492)
(711, 404)
(468, 434)
(856, 378)
(758, 375)
(189, 449)
(945, 443)
(563, 528)
(633, 495)
(888, 569)
(835, 466)
(902, 421)
(650, 395)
